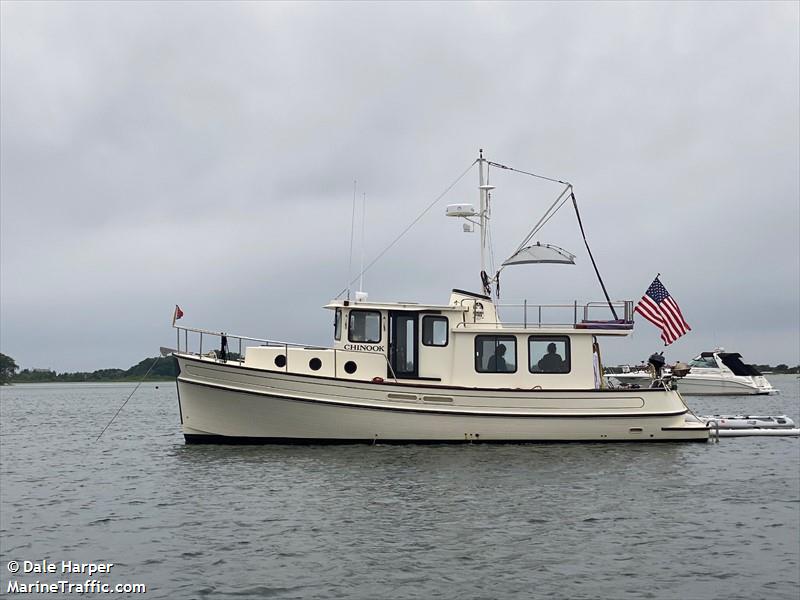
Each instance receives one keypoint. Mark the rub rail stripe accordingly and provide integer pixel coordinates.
(434, 411)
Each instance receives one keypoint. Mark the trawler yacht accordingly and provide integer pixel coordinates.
(406, 372)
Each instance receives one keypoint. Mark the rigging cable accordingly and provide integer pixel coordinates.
(594, 264)
(552, 214)
(414, 222)
(546, 218)
(499, 166)
(548, 214)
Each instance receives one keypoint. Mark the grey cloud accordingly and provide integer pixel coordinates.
(204, 154)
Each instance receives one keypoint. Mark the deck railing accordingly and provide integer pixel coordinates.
(527, 315)
(531, 316)
(200, 336)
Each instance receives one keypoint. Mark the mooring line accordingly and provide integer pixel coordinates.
(158, 358)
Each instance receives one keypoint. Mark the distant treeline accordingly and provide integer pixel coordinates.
(167, 368)
(782, 369)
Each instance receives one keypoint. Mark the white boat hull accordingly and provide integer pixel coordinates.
(699, 385)
(226, 402)
(739, 386)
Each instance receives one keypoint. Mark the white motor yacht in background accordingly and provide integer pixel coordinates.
(407, 372)
(716, 373)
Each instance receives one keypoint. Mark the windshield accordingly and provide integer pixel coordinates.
(704, 362)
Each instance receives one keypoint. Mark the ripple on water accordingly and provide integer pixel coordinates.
(564, 521)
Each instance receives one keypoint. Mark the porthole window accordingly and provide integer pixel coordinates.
(549, 354)
(495, 353)
(350, 367)
(435, 330)
(315, 364)
(364, 326)
(280, 361)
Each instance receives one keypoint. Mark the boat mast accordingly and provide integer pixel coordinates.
(483, 223)
(483, 202)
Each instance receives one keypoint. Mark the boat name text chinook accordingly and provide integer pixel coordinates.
(364, 347)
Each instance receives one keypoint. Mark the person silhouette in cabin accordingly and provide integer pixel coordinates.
(552, 361)
(497, 362)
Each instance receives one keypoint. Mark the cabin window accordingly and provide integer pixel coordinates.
(704, 362)
(337, 325)
(549, 354)
(495, 354)
(364, 326)
(435, 330)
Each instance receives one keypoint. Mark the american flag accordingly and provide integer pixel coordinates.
(658, 307)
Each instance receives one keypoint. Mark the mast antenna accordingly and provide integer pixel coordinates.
(363, 229)
(352, 231)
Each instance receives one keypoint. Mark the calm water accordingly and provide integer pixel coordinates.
(518, 521)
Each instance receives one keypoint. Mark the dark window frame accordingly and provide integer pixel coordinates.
(498, 339)
(446, 330)
(337, 325)
(397, 341)
(551, 338)
(353, 313)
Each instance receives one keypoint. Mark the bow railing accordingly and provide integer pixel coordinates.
(192, 337)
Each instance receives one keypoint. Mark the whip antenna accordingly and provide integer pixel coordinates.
(363, 230)
(410, 225)
(352, 231)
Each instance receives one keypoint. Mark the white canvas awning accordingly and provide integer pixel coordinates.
(540, 253)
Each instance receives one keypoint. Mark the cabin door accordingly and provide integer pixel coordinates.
(403, 344)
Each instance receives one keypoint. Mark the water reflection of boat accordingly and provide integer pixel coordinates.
(712, 373)
(428, 373)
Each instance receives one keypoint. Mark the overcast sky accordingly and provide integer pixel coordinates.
(204, 154)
